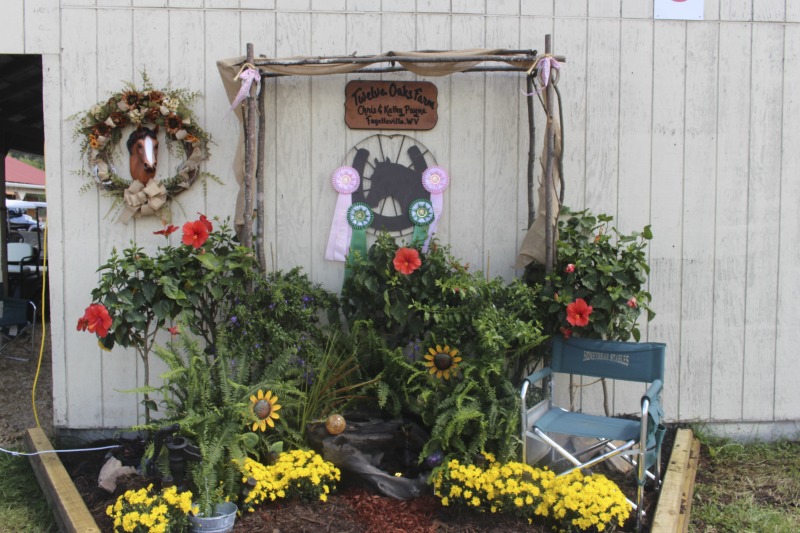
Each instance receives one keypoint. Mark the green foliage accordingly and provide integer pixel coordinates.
(606, 268)
(444, 303)
(34, 160)
(213, 411)
(281, 315)
(396, 319)
(277, 336)
(194, 286)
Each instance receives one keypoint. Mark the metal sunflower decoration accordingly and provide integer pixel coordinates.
(265, 407)
(442, 361)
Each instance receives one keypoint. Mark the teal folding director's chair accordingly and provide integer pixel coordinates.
(641, 439)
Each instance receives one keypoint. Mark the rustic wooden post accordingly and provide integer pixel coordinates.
(531, 150)
(262, 260)
(548, 171)
(249, 158)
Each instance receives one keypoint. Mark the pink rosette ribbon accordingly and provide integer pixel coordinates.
(435, 180)
(345, 181)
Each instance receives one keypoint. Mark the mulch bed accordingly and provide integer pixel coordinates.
(351, 510)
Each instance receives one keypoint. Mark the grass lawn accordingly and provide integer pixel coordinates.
(22, 504)
(742, 488)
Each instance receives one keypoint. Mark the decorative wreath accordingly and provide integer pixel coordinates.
(101, 129)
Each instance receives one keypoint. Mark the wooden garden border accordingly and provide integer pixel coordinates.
(68, 507)
(675, 502)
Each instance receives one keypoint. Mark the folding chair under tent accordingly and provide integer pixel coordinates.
(14, 322)
(640, 439)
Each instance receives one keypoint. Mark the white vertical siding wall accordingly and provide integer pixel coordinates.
(692, 127)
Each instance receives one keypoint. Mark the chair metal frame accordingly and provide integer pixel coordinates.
(641, 443)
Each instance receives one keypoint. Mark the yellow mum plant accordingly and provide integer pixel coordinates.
(140, 511)
(587, 502)
(574, 502)
(302, 474)
(514, 488)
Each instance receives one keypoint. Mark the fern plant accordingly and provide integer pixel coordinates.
(200, 394)
(487, 330)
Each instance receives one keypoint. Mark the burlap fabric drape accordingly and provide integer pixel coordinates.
(229, 68)
(534, 244)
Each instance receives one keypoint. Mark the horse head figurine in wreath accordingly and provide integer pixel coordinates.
(143, 148)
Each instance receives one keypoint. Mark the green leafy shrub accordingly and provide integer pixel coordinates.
(201, 394)
(194, 284)
(448, 344)
(600, 267)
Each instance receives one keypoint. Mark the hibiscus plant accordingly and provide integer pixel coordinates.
(597, 287)
(192, 286)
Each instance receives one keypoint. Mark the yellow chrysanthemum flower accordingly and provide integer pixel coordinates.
(265, 407)
(442, 361)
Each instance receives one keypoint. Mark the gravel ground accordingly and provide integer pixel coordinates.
(17, 372)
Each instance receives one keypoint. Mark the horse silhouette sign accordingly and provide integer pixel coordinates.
(390, 105)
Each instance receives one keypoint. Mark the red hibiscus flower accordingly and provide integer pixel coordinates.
(166, 231)
(570, 268)
(207, 222)
(174, 330)
(578, 313)
(632, 303)
(406, 260)
(95, 320)
(195, 233)
(566, 332)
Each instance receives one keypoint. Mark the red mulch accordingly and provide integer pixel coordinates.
(352, 510)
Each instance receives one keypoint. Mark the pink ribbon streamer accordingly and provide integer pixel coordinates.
(435, 180)
(341, 232)
(248, 75)
(345, 181)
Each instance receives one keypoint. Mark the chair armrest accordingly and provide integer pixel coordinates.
(653, 391)
(539, 375)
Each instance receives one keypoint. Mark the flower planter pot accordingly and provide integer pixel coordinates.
(221, 521)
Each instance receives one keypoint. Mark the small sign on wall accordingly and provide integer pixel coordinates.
(390, 105)
(678, 9)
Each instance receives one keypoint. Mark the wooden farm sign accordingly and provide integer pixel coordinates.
(390, 105)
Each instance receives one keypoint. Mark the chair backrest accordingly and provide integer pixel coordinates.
(630, 361)
(17, 251)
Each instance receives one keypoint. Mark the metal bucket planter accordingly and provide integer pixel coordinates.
(221, 521)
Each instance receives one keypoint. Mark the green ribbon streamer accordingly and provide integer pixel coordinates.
(419, 236)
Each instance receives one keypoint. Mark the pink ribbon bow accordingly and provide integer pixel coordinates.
(544, 65)
(247, 75)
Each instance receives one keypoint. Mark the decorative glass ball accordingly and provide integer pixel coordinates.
(335, 424)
